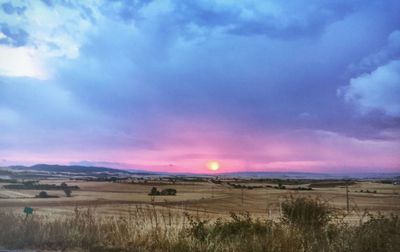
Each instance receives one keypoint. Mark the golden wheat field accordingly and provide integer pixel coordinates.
(204, 215)
(204, 198)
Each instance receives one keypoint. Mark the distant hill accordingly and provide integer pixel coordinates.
(76, 169)
(105, 171)
(280, 175)
(311, 175)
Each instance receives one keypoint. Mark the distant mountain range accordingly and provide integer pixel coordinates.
(91, 170)
(311, 175)
(76, 169)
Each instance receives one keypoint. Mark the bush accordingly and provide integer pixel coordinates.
(305, 213)
(168, 191)
(148, 229)
(68, 192)
(42, 194)
(240, 225)
(378, 234)
(154, 191)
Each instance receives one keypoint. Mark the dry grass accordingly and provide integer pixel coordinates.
(122, 217)
(153, 229)
(143, 228)
(217, 199)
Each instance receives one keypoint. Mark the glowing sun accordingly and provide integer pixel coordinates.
(213, 165)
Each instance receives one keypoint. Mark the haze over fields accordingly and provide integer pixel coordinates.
(201, 86)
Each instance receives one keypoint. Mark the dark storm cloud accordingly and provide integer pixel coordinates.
(239, 79)
(297, 20)
(243, 18)
(144, 67)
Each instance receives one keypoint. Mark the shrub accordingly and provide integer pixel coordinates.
(148, 229)
(380, 233)
(154, 191)
(197, 228)
(239, 225)
(42, 194)
(68, 192)
(305, 213)
(168, 191)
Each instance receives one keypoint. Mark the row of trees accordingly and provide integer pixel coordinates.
(33, 185)
(44, 194)
(63, 186)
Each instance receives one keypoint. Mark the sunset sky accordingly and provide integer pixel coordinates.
(309, 86)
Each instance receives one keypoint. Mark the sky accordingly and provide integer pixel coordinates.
(170, 85)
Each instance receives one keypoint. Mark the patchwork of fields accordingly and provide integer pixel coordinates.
(202, 197)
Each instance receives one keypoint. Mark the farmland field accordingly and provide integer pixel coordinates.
(119, 212)
(205, 197)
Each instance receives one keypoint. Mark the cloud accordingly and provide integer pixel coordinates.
(35, 33)
(269, 18)
(242, 18)
(390, 51)
(125, 10)
(373, 89)
(155, 82)
(376, 91)
(13, 36)
(21, 62)
(10, 9)
(292, 20)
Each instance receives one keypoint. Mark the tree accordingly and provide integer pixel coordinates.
(67, 192)
(168, 191)
(43, 194)
(154, 191)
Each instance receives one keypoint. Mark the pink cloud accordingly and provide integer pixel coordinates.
(188, 146)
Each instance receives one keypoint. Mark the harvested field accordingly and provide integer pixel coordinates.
(206, 197)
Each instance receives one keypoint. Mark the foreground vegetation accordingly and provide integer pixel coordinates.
(306, 225)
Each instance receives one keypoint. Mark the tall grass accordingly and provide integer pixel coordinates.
(306, 225)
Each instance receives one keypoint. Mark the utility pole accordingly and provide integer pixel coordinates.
(266, 200)
(347, 197)
(242, 198)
